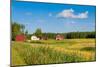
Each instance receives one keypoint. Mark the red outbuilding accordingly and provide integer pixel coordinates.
(59, 37)
(20, 37)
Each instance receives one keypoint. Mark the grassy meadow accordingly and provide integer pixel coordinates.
(53, 51)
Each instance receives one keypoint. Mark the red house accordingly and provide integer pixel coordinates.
(59, 37)
(20, 37)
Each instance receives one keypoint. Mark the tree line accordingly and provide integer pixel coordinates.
(71, 35)
(20, 29)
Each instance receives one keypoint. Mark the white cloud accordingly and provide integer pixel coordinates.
(50, 14)
(73, 22)
(40, 20)
(28, 13)
(70, 13)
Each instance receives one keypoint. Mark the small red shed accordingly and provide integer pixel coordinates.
(59, 37)
(20, 37)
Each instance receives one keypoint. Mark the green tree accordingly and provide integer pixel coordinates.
(38, 32)
(26, 32)
(22, 27)
(17, 29)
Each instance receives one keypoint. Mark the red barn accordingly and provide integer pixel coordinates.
(20, 37)
(59, 37)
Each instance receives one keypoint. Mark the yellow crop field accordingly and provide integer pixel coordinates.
(53, 51)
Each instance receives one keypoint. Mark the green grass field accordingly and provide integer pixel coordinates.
(53, 51)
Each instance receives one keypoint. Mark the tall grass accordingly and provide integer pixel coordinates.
(24, 54)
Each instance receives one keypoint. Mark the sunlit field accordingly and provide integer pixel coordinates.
(53, 51)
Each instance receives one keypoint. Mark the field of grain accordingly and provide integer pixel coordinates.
(53, 51)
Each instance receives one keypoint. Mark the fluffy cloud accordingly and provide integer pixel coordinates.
(28, 13)
(70, 13)
(40, 20)
(50, 14)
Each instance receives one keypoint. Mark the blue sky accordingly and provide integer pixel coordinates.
(55, 18)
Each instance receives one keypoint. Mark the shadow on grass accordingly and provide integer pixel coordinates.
(88, 49)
